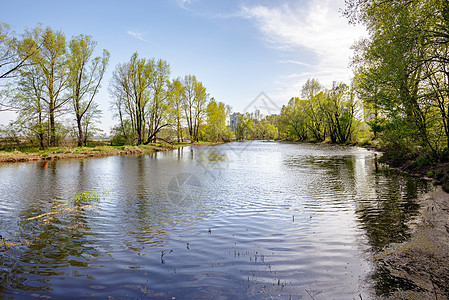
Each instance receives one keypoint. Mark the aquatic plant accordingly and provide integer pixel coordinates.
(85, 197)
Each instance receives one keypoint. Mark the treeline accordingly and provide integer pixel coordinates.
(48, 80)
(322, 114)
(147, 101)
(399, 94)
(400, 88)
(402, 74)
(44, 77)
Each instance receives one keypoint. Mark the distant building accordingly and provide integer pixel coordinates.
(257, 115)
(233, 120)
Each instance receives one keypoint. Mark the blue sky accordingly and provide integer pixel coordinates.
(237, 48)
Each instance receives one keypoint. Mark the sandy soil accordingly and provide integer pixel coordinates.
(424, 258)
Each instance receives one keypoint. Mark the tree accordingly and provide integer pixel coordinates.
(339, 109)
(292, 120)
(244, 127)
(32, 110)
(400, 70)
(85, 76)
(159, 98)
(312, 93)
(194, 103)
(90, 119)
(265, 130)
(176, 90)
(51, 64)
(13, 56)
(217, 113)
(129, 85)
(40, 86)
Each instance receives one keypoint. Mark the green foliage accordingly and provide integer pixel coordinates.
(423, 161)
(85, 197)
(292, 120)
(84, 77)
(401, 73)
(323, 113)
(244, 127)
(176, 113)
(265, 130)
(194, 99)
(216, 129)
(121, 134)
(138, 91)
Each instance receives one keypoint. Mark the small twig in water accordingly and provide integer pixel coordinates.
(311, 296)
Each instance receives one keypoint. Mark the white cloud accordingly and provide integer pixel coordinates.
(137, 35)
(317, 31)
(295, 62)
(183, 3)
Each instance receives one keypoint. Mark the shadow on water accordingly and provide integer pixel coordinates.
(385, 220)
(384, 202)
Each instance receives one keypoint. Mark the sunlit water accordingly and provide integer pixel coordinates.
(246, 220)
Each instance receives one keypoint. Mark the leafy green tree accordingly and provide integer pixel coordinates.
(51, 65)
(41, 82)
(339, 108)
(400, 70)
(14, 55)
(312, 93)
(292, 120)
(120, 133)
(244, 127)
(159, 99)
(265, 130)
(129, 86)
(89, 123)
(85, 76)
(194, 102)
(33, 112)
(176, 112)
(217, 113)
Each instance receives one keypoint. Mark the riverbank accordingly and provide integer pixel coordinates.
(57, 153)
(423, 258)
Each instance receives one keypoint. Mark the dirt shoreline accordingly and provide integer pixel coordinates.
(424, 257)
(102, 151)
(72, 153)
(24, 157)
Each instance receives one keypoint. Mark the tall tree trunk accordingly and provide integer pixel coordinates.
(52, 127)
(80, 132)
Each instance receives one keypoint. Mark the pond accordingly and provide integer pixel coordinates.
(251, 220)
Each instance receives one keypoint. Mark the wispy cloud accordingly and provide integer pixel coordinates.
(137, 35)
(316, 30)
(294, 62)
(184, 3)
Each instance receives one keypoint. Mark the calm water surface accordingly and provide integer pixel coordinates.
(253, 220)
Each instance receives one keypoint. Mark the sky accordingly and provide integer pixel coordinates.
(237, 48)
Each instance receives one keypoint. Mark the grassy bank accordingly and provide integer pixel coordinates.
(55, 153)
